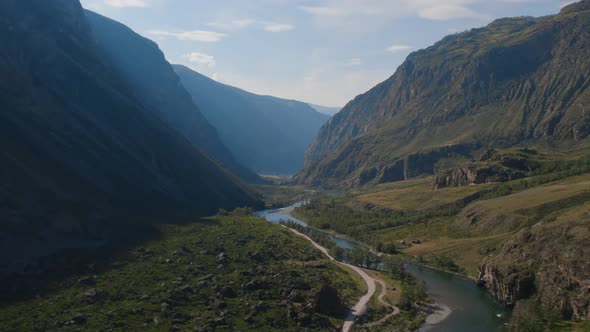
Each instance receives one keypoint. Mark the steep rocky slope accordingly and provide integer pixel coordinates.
(516, 81)
(267, 134)
(548, 261)
(153, 82)
(80, 158)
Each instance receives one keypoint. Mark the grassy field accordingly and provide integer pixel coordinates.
(416, 194)
(223, 273)
(541, 195)
(460, 224)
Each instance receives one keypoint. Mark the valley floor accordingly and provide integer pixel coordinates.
(466, 229)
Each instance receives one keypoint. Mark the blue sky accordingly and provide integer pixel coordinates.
(320, 51)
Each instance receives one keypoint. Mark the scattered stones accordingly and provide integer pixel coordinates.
(79, 319)
(87, 281)
(118, 265)
(227, 291)
(299, 284)
(207, 277)
(296, 296)
(253, 285)
(93, 295)
(257, 256)
(259, 307)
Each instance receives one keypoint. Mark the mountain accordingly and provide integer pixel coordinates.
(267, 134)
(153, 82)
(81, 158)
(324, 109)
(516, 82)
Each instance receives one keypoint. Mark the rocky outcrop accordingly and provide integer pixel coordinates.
(492, 167)
(548, 262)
(327, 301)
(507, 287)
(457, 177)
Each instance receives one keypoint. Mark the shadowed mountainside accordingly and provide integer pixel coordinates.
(153, 82)
(81, 159)
(267, 134)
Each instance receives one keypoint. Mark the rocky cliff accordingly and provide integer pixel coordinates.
(548, 262)
(517, 81)
(491, 167)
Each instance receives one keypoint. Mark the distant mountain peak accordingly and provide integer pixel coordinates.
(267, 134)
(325, 109)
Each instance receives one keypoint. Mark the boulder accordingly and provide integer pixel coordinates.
(328, 302)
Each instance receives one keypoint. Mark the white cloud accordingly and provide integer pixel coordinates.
(325, 11)
(446, 12)
(237, 24)
(428, 9)
(201, 58)
(240, 24)
(126, 3)
(193, 35)
(278, 27)
(398, 48)
(354, 62)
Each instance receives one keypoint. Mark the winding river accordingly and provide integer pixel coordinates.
(472, 309)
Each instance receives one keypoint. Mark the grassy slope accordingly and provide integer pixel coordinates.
(446, 221)
(174, 270)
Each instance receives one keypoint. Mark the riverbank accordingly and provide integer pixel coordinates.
(361, 307)
(464, 308)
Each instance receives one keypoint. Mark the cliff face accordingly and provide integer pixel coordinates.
(491, 167)
(152, 81)
(522, 80)
(457, 177)
(547, 261)
(80, 159)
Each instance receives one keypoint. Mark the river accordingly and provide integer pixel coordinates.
(472, 309)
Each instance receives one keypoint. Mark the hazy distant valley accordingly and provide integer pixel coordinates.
(137, 194)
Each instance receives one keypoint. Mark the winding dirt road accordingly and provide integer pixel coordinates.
(361, 307)
(382, 301)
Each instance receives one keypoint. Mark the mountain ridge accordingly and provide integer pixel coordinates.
(483, 88)
(266, 133)
(82, 161)
(153, 81)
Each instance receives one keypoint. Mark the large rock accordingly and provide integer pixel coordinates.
(327, 301)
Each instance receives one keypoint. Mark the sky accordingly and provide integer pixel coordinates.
(320, 51)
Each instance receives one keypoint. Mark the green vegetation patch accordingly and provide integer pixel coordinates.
(223, 273)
